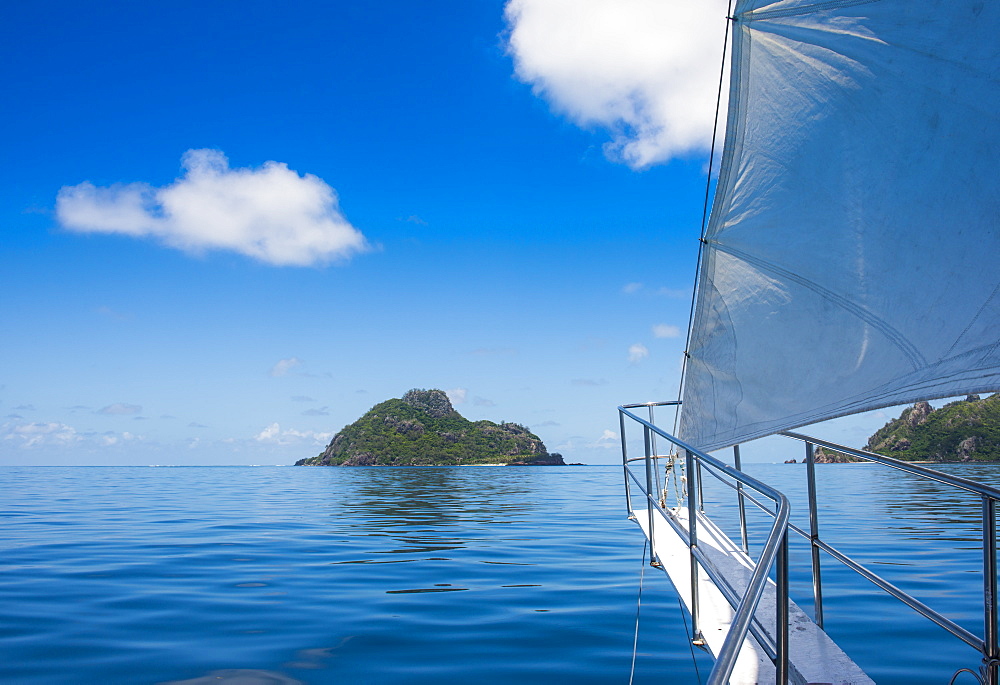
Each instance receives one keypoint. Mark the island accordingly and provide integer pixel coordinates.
(964, 431)
(423, 429)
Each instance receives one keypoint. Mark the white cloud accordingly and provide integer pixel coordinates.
(120, 409)
(284, 366)
(631, 288)
(275, 436)
(271, 213)
(457, 395)
(54, 434)
(637, 352)
(37, 434)
(111, 439)
(646, 70)
(483, 402)
(662, 330)
(608, 439)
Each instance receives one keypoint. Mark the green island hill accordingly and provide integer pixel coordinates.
(965, 431)
(423, 429)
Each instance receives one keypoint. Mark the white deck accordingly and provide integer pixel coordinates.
(813, 656)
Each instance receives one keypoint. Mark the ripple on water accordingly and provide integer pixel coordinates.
(414, 576)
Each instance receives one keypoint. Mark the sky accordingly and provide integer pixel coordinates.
(230, 228)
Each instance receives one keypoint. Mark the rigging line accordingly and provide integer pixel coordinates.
(638, 604)
(690, 641)
(704, 211)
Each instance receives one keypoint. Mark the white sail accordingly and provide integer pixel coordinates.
(851, 258)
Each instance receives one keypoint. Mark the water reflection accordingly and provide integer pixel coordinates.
(426, 510)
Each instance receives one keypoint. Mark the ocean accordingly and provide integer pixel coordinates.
(285, 575)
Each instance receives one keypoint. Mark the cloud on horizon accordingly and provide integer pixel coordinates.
(645, 70)
(55, 434)
(275, 436)
(271, 213)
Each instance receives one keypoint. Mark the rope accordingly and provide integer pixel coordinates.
(690, 638)
(638, 604)
(704, 211)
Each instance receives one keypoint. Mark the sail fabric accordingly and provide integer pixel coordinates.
(851, 258)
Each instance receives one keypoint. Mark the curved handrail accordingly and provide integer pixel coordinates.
(775, 549)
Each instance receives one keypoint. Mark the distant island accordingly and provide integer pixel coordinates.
(423, 429)
(963, 431)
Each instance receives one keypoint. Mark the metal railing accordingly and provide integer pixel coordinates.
(775, 549)
(988, 644)
(774, 553)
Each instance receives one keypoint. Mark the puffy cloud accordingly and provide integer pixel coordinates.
(284, 366)
(662, 330)
(120, 409)
(457, 395)
(271, 213)
(275, 436)
(37, 434)
(608, 439)
(646, 70)
(637, 352)
(110, 439)
(54, 434)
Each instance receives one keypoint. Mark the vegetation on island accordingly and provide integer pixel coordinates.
(964, 431)
(423, 429)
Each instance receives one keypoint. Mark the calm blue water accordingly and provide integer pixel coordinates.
(494, 575)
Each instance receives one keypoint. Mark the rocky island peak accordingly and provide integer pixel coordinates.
(423, 429)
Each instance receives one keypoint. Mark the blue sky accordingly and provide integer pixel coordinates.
(508, 204)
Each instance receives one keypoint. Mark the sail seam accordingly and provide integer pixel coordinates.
(974, 320)
(758, 15)
(894, 336)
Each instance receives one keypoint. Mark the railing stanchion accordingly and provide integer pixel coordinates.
(991, 651)
(659, 490)
(814, 534)
(781, 619)
(692, 487)
(740, 501)
(701, 492)
(649, 500)
(628, 487)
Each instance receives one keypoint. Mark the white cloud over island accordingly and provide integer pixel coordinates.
(271, 213)
(646, 70)
(274, 435)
